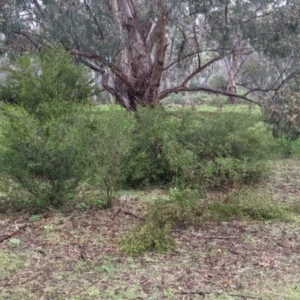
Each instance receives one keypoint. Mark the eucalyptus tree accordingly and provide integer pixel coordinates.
(137, 44)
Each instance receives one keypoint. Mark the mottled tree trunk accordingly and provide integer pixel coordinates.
(143, 73)
(231, 88)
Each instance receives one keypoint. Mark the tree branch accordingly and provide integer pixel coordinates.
(161, 46)
(201, 68)
(182, 88)
(40, 10)
(94, 18)
(181, 59)
(117, 71)
(27, 36)
(274, 89)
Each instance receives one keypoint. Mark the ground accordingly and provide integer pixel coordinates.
(73, 255)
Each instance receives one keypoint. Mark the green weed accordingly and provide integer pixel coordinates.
(247, 204)
(147, 237)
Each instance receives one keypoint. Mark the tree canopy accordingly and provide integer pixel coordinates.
(138, 45)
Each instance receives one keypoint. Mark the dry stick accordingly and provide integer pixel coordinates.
(244, 296)
(216, 237)
(20, 227)
(208, 293)
(194, 293)
(128, 213)
(211, 237)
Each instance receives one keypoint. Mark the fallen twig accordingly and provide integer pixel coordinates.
(216, 237)
(245, 296)
(19, 228)
(201, 293)
(128, 213)
(195, 293)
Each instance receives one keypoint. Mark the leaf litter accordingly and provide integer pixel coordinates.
(79, 259)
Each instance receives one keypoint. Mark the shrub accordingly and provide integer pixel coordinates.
(40, 81)
(228, 147)
(41, 152)
(196, 148)
(43, 159)
(147, 237)
(155, 157)
(106, 136)
(247, 204)
(180, 207)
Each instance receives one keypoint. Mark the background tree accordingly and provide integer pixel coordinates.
(135, 44)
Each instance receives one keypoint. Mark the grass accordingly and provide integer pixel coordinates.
(74, 255)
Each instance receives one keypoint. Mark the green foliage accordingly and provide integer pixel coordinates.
(228, 147)
(14, 242)
(195, 148)
(177, 98)
(38, 82)
(35, 218)
(42, 152)
(180, 207)
(45, 159)
(247, 204)
(216, 100)
(147, 237)
(81, 206)
(218, 81)
(155, 156)
(106, 136)
(284, 147)
(284, 111)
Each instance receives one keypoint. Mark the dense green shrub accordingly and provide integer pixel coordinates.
(196, 148)
(38, 82)
(228, 147)
(147, 237)
(179, 208)
(155, 157)
(44, 159)
(42, 153)
(106, 137)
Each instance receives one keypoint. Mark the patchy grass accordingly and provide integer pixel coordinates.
(74, 255)
(242, 108)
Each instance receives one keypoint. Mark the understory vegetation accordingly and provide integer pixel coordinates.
(59, 151)
(170, 179)
(55, 145)
(54, 141)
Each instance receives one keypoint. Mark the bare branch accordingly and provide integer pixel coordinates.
(256, 17)
(117, 71)
(94, 18)
(165, 93)
(40, 10)
(201, 68)
(182, 58)
(27, 36)
(274, 89)
(197, 44)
